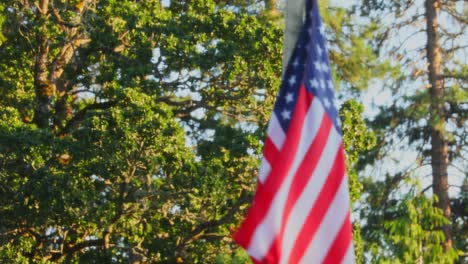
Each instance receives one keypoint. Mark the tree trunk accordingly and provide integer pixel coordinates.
(43, 88)
(439, 157)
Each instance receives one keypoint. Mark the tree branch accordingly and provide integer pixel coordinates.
(455, 76)
(199, 231)
(43, 88)
(76, 120)
(78, 247)
(63, 22)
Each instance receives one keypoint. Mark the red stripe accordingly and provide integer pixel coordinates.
(341, 244)
(270, 152)
(264, 196)
(319, 209)
(302, 176)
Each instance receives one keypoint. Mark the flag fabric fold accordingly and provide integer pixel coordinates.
(301, 210)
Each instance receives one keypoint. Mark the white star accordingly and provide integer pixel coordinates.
(286, 114)
(296, 62)
(319, 50)
(314, 83)
(326, 102)
(338, 121)
(318, 65)
(330, 85)
(322, 84)
(289, 97)
(322, 29)
(292, 80)
(325, 67)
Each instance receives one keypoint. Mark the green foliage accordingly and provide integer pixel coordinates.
(103, 178)
(357, 140)
(154, 117)
(125, 171)
(352, 50)
(460, 219)
(411, 235)
(238, 257)
(2, 20)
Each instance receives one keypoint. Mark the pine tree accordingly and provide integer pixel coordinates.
(427, 111)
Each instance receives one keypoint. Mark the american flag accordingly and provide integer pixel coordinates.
(301, 209)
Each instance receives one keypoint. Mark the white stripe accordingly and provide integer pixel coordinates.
(265, 169)
(349, 257)
(311, 191)
(269, 227)
(275, 132)
(330, 226)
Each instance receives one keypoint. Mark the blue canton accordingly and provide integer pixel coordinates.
(308, 65)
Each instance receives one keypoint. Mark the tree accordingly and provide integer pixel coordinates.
(428, 109)
(130, 131)
(100, 98)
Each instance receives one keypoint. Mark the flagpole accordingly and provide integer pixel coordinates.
(301, 209)
(293, 20)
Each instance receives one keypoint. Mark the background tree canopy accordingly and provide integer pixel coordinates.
(131, 131)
